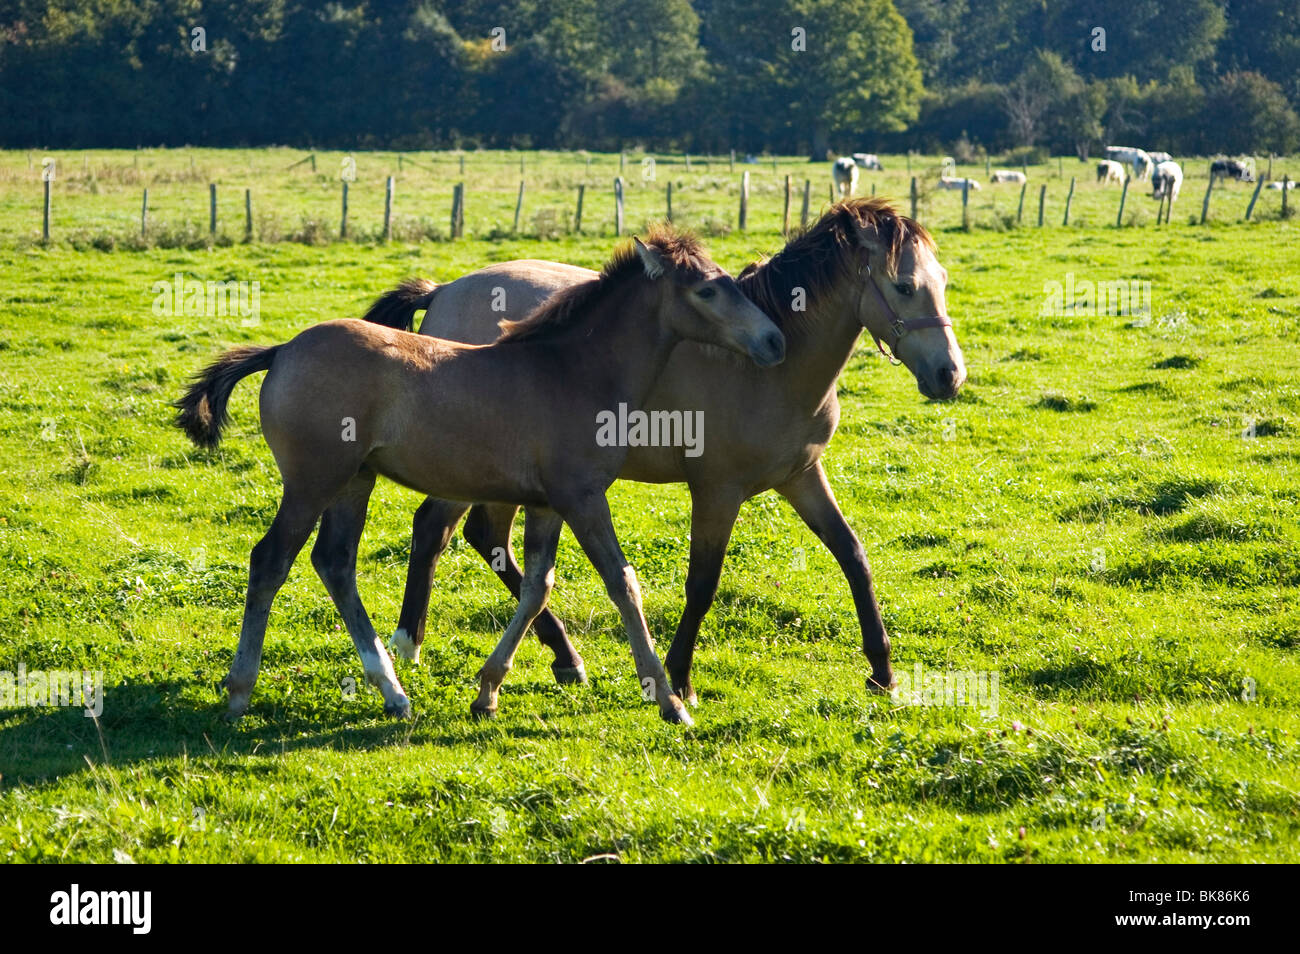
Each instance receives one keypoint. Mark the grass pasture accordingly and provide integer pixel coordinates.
(1107, 518)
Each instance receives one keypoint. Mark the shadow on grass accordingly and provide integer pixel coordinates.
(167, 719)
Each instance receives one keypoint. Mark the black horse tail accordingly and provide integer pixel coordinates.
(201, 412)
(397, 308)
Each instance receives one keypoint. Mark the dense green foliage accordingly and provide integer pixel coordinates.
(792, 76)
(1107, 517)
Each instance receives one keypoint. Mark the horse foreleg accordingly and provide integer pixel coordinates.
(268, 568)
(712, 519)
(488, 532)
(541, 539)
(335, 558)
(431, 529)
(590, 522)
(810, 495)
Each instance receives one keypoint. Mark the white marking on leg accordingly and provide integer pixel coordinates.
(403, 645)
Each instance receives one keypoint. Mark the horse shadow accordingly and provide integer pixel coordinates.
(141, 724)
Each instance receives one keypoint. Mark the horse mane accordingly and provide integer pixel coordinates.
(817, 258)
(567, 308)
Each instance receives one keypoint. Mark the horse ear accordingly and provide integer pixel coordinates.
(868, 235)
(650, 259)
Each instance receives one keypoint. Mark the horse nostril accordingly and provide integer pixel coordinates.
(775, 344)
(944, 377)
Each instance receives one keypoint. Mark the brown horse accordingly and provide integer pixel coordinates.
(513, 422)
(862, 265)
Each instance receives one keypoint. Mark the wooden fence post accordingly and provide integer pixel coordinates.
(519, 205)
(1042, 199)
(618, 205)
(807, 195)
(1259, 184)
(744, 200)
(909, 155)
(1119, 216)
(785, 216)
(313, 161)
(1069, 197)
(388, 210)
(965, 201)
(212, 208)
(688, 162)
(144, 214)
(248, 214)
(1205, 203)
(457, 198)
(343, 222)
(577, 217)
(622, 162)
(733, 161)
(462, 163)
(1286, 187)
(1020, 209)
(670, 200)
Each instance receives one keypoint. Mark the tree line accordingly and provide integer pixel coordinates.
(788, 76)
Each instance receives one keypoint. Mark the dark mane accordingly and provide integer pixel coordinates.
(819, 257)
(567, 309)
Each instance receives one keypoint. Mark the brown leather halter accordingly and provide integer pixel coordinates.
(898, 326)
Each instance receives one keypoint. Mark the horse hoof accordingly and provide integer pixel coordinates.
(404, 647)
(482, 712)
(399, 709)
(677, 715)
(881, 685)
(570, 675)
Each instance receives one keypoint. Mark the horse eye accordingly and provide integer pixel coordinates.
(706, 292)
(905, 290)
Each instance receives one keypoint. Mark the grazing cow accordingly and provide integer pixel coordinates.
(1139, 159)
(1007, 175)
(1159, 157)
(844, 173)
(1108, 170)
(954, 183)
(1166, 180)
(867, 160)
(1290, 184)
(1232, 169)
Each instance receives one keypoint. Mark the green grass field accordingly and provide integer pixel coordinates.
(1107, 518)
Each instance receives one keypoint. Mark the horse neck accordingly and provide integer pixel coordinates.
(817, 353)
(627, 347)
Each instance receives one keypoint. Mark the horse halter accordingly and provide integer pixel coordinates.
(898, 326)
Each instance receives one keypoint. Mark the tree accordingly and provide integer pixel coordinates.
(1252, 115)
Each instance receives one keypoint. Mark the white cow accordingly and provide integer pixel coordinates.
(953, 183)
(1166, 180)
(1139, 159)
(1007, 175)
(1108, 170)
(1290, 184)
(844, 173)
(948, 166)
(1159, 157)
(867, 160)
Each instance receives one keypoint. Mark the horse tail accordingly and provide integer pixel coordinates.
(201, 411)
(397, 308)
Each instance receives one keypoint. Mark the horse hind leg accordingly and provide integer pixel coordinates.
(542, 528)
(431, 530)
(488, 532)
(268, 568)
(335, 558)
